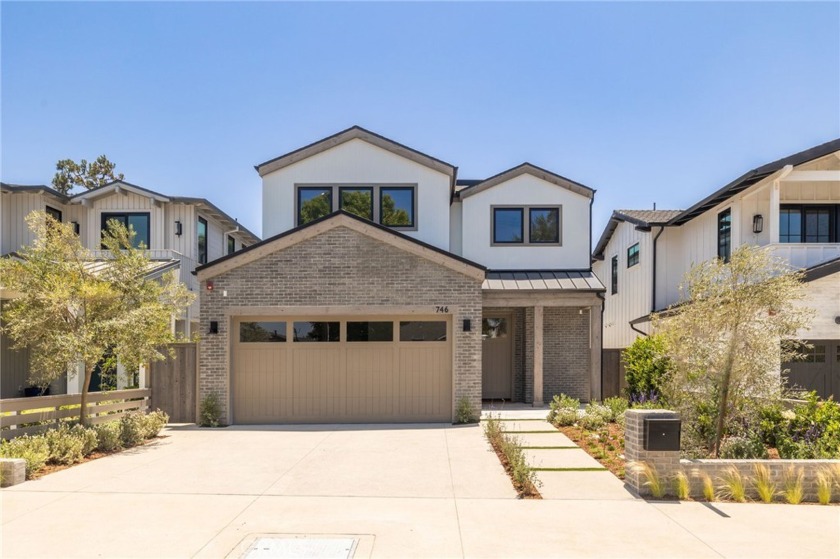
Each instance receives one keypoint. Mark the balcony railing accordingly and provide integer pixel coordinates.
(806, 255)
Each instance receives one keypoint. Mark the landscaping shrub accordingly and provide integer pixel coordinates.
(763, 483)
(565, 417)
(616, 406)
(647, 366)
(742, 448)
(210, 411)
(465, 413)
(109, 436)
(131, 429)
(153, 422)
(88, 436)
(562, 403)
(811, 431)
(524, 479)
(594, 417)
(733, 485)
(33, 449)
(65, 447)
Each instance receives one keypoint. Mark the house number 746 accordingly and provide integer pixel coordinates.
(441, 310)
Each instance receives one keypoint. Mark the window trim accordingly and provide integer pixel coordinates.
(526, 216)
(614, 275)
(833, 226)
(199, 221)
(638, 253)
(728, 252)
(105, 216)
(335, 199)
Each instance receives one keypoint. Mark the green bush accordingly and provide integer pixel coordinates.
(153, 422)
(210, 412)
(646, 367)
(109, 436)
(465, 412)
(565, 417)
(742, 448)
(811, 430)
(594, 418)
(88, 437)
(65, 447)
(616, 406)
(562, 402)
(33, 449)
(131, 429)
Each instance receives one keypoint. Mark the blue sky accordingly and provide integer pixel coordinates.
(646, 102)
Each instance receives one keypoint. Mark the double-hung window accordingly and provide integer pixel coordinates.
(137, 222)
(809, 223)
(525, 225)
(390, 205)
(724, 234)
(633, 255)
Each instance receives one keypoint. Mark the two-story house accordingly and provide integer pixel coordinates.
(791, 206)
(180, 233)
(387, 289)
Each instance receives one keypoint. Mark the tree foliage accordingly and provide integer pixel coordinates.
(728, 338)
(647, 367)
(69, 312)
(83, 174)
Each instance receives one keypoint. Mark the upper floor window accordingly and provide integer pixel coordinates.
(393, 206)
(231, 244)
(508, 225)
(54, 213)
(816, 223)
(633, 255)
(724, 234)
(202, 240)
(137, 222)
(614, 275)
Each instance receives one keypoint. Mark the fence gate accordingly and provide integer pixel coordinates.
(173, 384)
(613, 381)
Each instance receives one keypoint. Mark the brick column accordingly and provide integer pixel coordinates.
(538, 356)
(666, 463)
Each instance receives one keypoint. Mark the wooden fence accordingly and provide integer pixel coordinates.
(173, 383)
(613, 381)
(22, 416)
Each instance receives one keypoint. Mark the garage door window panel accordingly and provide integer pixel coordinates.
(370, 331)
(316, 331)
(422, 331)
(262, 332)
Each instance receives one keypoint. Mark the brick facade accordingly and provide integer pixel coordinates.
(342, 267)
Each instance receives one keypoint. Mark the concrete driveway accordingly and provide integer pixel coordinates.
(395, 491)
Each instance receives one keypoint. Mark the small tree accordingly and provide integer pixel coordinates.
(729, 337)
(68, 313)
(647, 367)
(86, 175)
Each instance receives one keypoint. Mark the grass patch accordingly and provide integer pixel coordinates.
(550, 447)
(605, 445)
(569, 469)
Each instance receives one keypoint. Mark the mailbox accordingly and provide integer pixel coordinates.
(662, 434)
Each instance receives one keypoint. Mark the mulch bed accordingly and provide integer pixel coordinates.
(605, 446)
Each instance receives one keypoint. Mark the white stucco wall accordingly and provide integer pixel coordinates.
(358, 162)
(527, 190)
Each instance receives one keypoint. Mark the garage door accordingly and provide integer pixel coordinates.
(341, 370)
(819, 370)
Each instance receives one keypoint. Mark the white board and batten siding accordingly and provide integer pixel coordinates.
(357, 162)
(15, 208)
(634, 285)
(118, 203)
(527, 190)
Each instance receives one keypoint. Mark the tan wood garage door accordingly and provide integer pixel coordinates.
(341, 370)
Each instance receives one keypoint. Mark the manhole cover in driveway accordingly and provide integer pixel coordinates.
(301, 547)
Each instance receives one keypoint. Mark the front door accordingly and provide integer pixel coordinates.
(497, 357)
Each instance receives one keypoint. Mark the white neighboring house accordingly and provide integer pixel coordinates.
(180, 233)
(791, 206)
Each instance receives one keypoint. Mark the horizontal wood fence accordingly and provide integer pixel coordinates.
(25, 416)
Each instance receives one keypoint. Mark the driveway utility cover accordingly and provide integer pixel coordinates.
(301, 547)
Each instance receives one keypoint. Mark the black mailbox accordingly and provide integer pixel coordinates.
(662, 434)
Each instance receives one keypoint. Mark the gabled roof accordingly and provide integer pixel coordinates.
(118, 186)
(752, 177)
(353, 133)
(526, 169)
(34, 188)
(340, 218)
(642, 219)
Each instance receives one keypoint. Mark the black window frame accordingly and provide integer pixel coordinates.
(281, 338)
(633, 257)
(298, 205)
(531, 209)
(413, 191)
(614, 275)
(521, 211)
(354, 335)
(402, 339)
(202, 250)
(107, 216)
(333, 332)
(724, 234)
(802, 210)
(343, 189)
(53, 212)
(231, 244)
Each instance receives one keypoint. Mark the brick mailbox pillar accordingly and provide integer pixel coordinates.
(660, 451)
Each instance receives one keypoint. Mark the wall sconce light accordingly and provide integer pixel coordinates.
(758, 224)
(467, 325)
(209, 286)
(178, 228)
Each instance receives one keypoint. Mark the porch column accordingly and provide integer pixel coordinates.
(595, 329)
(773, 226)
(538, 356)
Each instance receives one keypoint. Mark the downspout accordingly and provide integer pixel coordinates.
(603, 298)
(633, 327)
(653, 282)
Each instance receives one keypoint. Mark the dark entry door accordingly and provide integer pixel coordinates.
(497, 357)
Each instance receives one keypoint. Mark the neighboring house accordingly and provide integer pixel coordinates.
(179, 232)
(388, 290)
(791, 206)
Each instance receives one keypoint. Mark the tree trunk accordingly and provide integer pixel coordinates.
(724, 392)
(83, 412)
